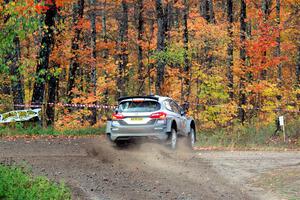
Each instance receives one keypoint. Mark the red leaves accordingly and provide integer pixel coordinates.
(40, 9)
(45, 5)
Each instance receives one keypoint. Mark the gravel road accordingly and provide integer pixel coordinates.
(95, 170)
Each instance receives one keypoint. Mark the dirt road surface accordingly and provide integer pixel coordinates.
(93, 169)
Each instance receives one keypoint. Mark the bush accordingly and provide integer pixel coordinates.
(17, 184)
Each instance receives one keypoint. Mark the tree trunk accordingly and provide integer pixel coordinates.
(149, 53)
(93, 57)
(140, 27)
(161, 45)
(204, 9)
(44, 54)
(266, 8)
(298, 67)
(104, 29)
(208, 14)
(17, 89)
(186, 84)
(176, 18)
(230, 48)
(211, 12)
(74, 64)
(16, 83)
(168, 21)
(123, 42)
(52, 96)
(105, 51)
(243, 29)
(278, 51)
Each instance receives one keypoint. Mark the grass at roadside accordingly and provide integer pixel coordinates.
(250, 137)
(18, 129)
(15, 183)
(284, 182)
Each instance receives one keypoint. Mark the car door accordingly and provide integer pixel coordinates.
(172, 112)
(183, 120)
(179, 119)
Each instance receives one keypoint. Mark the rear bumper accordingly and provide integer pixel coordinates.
(123, 132)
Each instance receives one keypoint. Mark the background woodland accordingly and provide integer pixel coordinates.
(228, 61)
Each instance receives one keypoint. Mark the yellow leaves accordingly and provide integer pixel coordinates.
(217, 115)
(264, 88)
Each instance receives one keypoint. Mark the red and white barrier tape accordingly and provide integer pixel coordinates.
(99, 106)
(247, 108)
(66, 105)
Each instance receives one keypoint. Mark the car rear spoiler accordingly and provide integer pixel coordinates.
(138, 97)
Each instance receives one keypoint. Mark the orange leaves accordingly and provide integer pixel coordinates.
(101, 45)
(89, 99)
(256, 87)
(178, 5)
(61, 3)
(86, 24)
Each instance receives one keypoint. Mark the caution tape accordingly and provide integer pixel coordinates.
(99, 106)
(66, 105)
(248, 108)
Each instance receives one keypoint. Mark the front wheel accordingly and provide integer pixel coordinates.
(192, 138)
(121, 143)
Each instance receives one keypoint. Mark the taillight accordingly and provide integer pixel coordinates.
(158, 115)
(117, 116)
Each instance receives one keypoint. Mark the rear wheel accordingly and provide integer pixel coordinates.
(173, 139)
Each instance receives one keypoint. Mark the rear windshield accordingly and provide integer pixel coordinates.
(144, 106)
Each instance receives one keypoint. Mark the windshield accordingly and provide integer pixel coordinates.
(144, 106)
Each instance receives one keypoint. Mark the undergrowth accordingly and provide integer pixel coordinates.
(20, 129)
(251, 136)
(16, 183)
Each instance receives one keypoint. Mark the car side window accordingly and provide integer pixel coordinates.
(178, 107)
(167, 105)
(175, 107)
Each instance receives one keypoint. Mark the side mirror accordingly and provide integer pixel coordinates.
(185, 106)
(116, 110)
(182, 112)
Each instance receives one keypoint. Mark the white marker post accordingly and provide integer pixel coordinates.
(281, 123)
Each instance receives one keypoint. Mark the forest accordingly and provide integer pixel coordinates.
(229, 61)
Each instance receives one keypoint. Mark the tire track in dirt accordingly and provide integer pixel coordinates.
(96, 170)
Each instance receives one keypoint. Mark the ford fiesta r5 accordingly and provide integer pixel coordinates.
(152, 117)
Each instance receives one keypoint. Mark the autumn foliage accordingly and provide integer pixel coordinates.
(96, 51)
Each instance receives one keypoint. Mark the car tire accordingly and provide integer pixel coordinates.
(173, 139)
(192, 138)
(121, 143)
